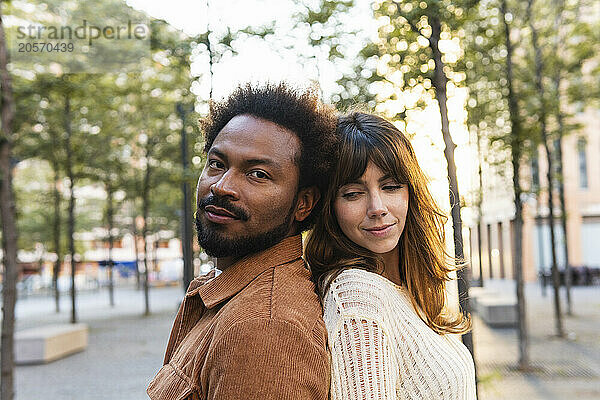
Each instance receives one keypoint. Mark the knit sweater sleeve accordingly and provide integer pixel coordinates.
(362, 358)
(362, 355)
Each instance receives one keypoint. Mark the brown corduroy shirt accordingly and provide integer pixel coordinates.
(253, 332)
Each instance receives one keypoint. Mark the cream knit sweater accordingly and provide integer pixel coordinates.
(381, 349)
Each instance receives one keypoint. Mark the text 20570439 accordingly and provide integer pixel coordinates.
(45, 47)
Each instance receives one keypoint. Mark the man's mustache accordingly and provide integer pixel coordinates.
(212, 200)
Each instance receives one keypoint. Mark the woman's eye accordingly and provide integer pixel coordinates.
(216, 164)
(259, 174)
(351, 195)
(392, 187)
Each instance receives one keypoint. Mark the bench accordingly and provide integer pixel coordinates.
(498, 311)
(476, 293)
(48, 343)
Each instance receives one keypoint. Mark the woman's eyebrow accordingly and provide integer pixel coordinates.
(362, 181)
(356, 182)
(385, 178)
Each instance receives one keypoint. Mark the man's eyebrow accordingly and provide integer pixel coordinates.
(262, 161)
(217, 152)
(249, 162)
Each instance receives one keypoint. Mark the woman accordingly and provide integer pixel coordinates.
(377, 256)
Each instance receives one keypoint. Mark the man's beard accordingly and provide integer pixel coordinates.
(217, 244)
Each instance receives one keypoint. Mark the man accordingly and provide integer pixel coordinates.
(255, 331)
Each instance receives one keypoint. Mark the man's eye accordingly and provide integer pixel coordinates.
(216, 164)
(259, 174)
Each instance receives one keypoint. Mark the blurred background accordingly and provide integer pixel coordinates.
(101, 142)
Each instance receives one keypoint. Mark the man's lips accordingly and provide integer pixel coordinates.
(219, 214)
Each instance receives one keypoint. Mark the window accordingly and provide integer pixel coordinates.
(583, 178)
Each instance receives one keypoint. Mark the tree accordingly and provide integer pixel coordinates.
(40, 136)
(558, 21)
(325, 24)
(573, 42)
(9, 226)
(64, 118)
(327, 28)
(108, 167)
(557, 61)
(71, 91)
(152, 117)
(539, 73)
(487, 110)
(70, 174)
(516, 142)
(498, 104)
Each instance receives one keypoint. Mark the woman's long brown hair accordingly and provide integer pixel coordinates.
(424, 263)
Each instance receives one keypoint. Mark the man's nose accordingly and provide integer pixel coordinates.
(225, 186)
(377, 207)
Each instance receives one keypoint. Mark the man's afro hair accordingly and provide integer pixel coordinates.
(299, 111)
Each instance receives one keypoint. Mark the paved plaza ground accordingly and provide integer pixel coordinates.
(126, 349)
(564, 368)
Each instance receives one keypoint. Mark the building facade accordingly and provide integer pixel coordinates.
(581, 171)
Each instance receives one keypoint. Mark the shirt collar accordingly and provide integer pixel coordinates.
(237, 276)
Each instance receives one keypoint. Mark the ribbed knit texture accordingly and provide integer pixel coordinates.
(381, 349)
(253, 332)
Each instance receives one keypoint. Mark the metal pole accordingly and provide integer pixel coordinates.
(186, 217)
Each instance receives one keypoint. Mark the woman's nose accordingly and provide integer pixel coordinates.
(376, 207)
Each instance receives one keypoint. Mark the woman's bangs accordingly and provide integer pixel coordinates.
(358, 149)
(386, 152)
(388, 162)
(353, 159)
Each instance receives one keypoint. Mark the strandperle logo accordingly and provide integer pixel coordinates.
(83, 31)
(83, 36)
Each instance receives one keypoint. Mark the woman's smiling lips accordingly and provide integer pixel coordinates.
(219, 215)
(379, 231)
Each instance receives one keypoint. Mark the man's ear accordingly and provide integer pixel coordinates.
(307, 199)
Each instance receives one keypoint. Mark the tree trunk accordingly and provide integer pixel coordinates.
(563, 208)
(137, 257)
(210, 52)
(110, 221)
(146, 284)
(515, 144)
(9, 227)
(155, 253)
(440, 82)
(56, 234)
(479, 210)
(559, 5)
(9, 292)
(71, 224)
(145, 208)
(186, 218)
(539, 70)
